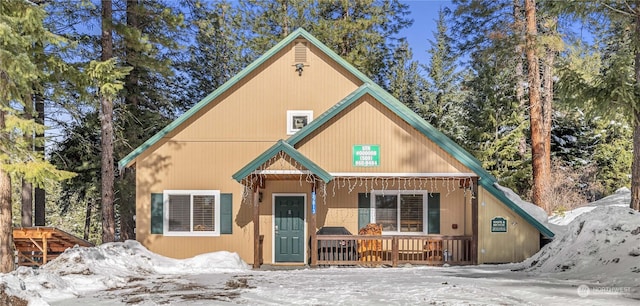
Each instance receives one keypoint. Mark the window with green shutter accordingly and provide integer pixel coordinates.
(399, 212)
(433, 214)
(191, 213)
(226, 213)
(156, 213)
(364, 210)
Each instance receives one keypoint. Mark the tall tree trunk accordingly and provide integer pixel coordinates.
(635, 165)
(126, 200)
(6, 229)
(547, 113)
(26, 193)
(87, 219)
(40, 203)
(106, 135)
(518, 25)
(541, 177)
(27, 204)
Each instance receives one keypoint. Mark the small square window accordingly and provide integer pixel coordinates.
(298, 119)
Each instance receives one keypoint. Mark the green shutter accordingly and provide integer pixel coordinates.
(433, 214)
(156, 213)
(226, 213)
(364, 210)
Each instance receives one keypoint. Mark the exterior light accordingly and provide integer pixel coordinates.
(299, 68)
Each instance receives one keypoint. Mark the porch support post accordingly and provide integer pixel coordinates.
(474, 221)
(256, 226)
(312, 228)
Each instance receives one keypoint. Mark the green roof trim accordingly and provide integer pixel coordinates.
(486, 179)
(282, 146)
(127, 160)
(368, 87)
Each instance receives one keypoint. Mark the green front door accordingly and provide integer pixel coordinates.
(289, 229)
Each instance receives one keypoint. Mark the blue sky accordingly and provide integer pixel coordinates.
(424, 14)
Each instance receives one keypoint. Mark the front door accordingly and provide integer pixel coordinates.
(289, 229)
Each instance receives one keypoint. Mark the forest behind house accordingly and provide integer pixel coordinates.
(546, 94)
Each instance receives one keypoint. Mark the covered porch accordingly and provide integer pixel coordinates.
(406, 242)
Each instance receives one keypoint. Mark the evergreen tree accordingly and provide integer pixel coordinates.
(265, 22)
(148, 37)
(491, 34)
(443, 106)
(496, 116)
(405, 82)
(611, 89)
(362, 32)
(215, 55)
(76, 152)
(21, 28)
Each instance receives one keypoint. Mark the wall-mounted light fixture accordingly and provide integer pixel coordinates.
(299, 68)
(260, 197)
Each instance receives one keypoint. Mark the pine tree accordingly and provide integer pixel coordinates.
(443, 106)
(21, 28)
(491, 34)
(215, 55)
(610, 90)
(362, 32)
(405, 82)
(149, 41)
(265, 22)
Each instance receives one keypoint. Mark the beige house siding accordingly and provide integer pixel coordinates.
(403, 149)
(520, 241)
(269, 92)
(205, 151)
(210, 146)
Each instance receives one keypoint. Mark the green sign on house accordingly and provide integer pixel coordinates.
(366, 155)
(498, 225)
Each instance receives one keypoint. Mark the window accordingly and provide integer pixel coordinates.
(191, 212)
(297, 119)
(405, 212)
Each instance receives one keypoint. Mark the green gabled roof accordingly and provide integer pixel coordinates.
(368, 87)
(486, 179)
(246, 71)
(282, 146)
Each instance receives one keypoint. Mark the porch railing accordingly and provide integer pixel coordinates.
(369, 250)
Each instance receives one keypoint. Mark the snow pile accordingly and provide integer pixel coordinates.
(132, 258)
(601, 245)
(110, 265)
(621, 198)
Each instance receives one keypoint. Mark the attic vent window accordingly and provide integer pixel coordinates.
(300, 51)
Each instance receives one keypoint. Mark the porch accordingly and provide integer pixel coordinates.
(391, 250)
(415, 229)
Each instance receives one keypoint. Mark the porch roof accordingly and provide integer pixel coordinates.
(281, 146)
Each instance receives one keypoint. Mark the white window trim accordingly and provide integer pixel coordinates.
(165, 218)
(425, 209)
(292, 113)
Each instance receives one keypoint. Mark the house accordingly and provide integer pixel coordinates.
(300, 140)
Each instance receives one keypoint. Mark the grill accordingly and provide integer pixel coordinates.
(336, 250)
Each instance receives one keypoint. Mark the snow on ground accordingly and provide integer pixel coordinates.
(594, 261)
(620, 198)
(601, 244)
